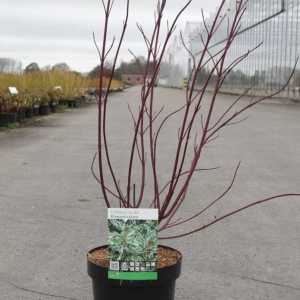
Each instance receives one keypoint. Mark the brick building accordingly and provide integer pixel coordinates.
(133, 79)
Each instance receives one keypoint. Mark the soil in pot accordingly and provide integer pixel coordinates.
(169, 268)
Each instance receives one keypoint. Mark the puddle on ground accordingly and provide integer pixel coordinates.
(84, 200)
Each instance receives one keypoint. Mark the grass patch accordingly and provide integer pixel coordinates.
(12, 125)
(9, 126)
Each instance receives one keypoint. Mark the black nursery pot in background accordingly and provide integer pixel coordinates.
(36, 110)
(71, 103)
(161, 289)
(77, 103)
(7, 118)
(74, 103)
(44, 110)
(63, 102)
(21, 114)
(53, 106)
(29, 112)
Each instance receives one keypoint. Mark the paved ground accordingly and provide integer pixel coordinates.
(51, 213)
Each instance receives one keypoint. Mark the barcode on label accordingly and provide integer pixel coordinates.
(114, 266)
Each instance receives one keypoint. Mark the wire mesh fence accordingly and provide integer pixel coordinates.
(274, 25)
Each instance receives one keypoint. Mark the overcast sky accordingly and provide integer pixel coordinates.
(52, 31)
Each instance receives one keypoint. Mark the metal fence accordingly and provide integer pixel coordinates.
(275, 24)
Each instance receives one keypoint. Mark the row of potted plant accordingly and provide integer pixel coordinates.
(39, 93)
(17, 108)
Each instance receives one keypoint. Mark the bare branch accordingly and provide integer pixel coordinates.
(228, 215)
(155, 117)
(185, 173)
(110, 47)
(146, 40)
(166, 226)
(96, 46)
(98, 180)
(253, 103)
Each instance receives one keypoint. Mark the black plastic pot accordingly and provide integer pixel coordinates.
(36, 110)
(21, 114)
(161, 289)
(44, 110)
(71, 103)
(7, 118)
(3, 119)
(29, 112)
(75, 103)
(53, 106)
(63, 102)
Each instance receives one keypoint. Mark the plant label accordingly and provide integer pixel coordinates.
(13, 90)
(132, 243)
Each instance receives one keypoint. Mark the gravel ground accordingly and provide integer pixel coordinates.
(51, 213)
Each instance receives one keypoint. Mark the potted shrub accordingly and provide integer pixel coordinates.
(10, 106)
(7, 115)
(29, 111)
(36, 105)
(18, 106)
(2, 108)
(53, 105)
(71, 103)
(44, 108)
(199, 123)
(21, 113)
(55, 96)
(28, 104)
(9, 112)
(16, 103)
(76, 102)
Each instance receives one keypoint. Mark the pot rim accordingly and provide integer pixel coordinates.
(165, 274)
